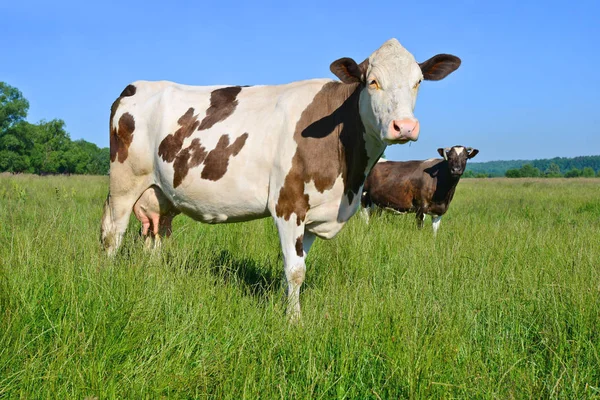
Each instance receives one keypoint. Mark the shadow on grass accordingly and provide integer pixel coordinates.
(255, 280)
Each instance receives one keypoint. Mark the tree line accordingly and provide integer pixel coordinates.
(44, 147)
(583, 166)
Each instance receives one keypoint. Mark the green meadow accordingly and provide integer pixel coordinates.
(503, 303)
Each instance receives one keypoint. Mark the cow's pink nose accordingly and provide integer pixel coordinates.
(404, 130)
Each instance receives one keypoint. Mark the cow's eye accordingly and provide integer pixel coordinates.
(417, 85)
(374, 84)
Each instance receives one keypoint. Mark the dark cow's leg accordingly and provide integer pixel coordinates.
(436, 223)
(366, 212)
(295, 244)
(366, 206)
(420, 219)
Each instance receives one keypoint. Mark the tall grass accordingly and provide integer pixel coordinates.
(504, 303)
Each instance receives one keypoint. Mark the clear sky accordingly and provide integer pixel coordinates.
(528, 87)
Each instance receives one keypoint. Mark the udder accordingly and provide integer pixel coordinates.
(156, 214)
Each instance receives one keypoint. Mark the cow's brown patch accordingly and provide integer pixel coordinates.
(121, 137)
(172, 144)
(190, 157)
(299, 246)
(216, 162)
(330, 142)
(127, 92)
(222, 104)
(119, 145)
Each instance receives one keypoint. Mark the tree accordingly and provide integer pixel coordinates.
(51, 145)
(44, 147)
(526, 171)
(86, 158)
(553, 170)
(16, 144)
(588, 172)
(15, 137)
(530, 171)
(513, 173)
(13, 107)
(573, 173)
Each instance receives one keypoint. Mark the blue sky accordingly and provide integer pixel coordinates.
(528, 87)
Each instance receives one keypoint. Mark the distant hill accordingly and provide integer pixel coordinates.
(499, 168)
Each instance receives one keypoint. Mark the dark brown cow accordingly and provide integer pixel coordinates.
(421, 187)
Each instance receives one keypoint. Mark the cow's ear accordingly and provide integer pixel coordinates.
(439, 66)
(443, 152)
(348, 70)
(472, 152)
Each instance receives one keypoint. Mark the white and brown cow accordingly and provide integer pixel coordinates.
(421, 187)
(298, 152)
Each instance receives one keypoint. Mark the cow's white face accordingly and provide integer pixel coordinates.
(392, 82)
(390, 79)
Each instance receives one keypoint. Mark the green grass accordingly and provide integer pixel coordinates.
(504, 303)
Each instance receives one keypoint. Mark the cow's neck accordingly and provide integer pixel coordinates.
(353, 147)
(332, 142)
(333, 120)
(448, 181)
(360, 149)
(453, 182)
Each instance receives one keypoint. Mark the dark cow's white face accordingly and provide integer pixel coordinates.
(391, 78)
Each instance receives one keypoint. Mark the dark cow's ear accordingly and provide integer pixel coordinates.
(439, 66)
(472, 152)
(348, 70)
(441, 152)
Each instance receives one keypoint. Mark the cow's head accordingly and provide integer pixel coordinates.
(390, 78)
(457, 157)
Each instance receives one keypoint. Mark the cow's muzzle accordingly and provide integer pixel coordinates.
(403, 130)
(456, 172)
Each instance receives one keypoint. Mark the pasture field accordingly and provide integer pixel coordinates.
(504, 303)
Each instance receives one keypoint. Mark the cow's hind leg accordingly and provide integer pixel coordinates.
(295, 244)
(115, 219)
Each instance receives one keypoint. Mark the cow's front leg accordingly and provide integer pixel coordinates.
(365, 213)
(295, 244)
(436, 223)
(420, 219)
